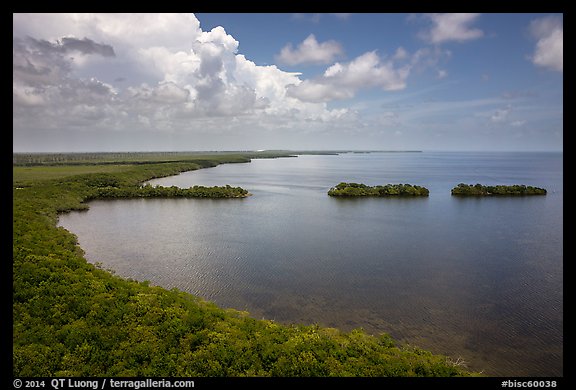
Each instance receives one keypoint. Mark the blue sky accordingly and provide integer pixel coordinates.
(132, 82)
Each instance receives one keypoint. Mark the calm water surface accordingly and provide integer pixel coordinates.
(475, 279)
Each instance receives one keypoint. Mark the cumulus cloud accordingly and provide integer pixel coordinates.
(343, 80)
(35, 63)
(42, 73)
(451, 27)
(70, 44)
(166, 92)
(549, 52)
(369, 70)
(125, 30)
(85, 46)
(189, 78)
(310, 51)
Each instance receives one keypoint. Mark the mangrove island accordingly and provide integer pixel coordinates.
(481, 190)
(358, 189)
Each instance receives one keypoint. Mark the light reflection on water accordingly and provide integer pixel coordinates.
(479, 279)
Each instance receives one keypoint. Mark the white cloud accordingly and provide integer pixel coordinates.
(314, 18)
(500, 115)
(342, 16)
(506, 116)
(400, 54)
(451, 27)
(310, 91)
(549, 52)
(518, 123)
(428, 57)
(165, 92)
(26, 95)
(368, 70)
(135, 29)
(42, 76)
(310, 52)
(441, 74)
(190, 74)
(342, 81)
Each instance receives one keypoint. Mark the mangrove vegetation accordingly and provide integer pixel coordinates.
(149, 191)
(73, 318)
(358, 189)
(482, 190)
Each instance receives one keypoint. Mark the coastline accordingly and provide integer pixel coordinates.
(56, 246)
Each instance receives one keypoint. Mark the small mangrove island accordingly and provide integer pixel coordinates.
(482, 190)
(358, 189)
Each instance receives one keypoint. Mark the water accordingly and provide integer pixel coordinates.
(478, 279)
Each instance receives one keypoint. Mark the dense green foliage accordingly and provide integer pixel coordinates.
(148, 191)
(481, 190)
(72, 318)
(356, 189)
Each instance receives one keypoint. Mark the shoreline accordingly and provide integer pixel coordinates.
(49, 198)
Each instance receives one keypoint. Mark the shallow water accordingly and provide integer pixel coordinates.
(478, 279)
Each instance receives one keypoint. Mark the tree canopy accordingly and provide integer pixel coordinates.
(482, 190)
(358, 189)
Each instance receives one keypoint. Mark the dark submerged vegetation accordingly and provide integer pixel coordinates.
(73, 318)
(357, 189)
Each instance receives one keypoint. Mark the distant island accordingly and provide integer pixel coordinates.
(358, 189)
(481, 190)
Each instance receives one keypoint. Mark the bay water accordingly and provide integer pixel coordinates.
(477, 279)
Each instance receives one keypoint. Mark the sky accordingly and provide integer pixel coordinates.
(251, 81)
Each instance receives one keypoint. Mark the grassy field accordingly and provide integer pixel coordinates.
(71, 318)
(35, 159)
(25, 176)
